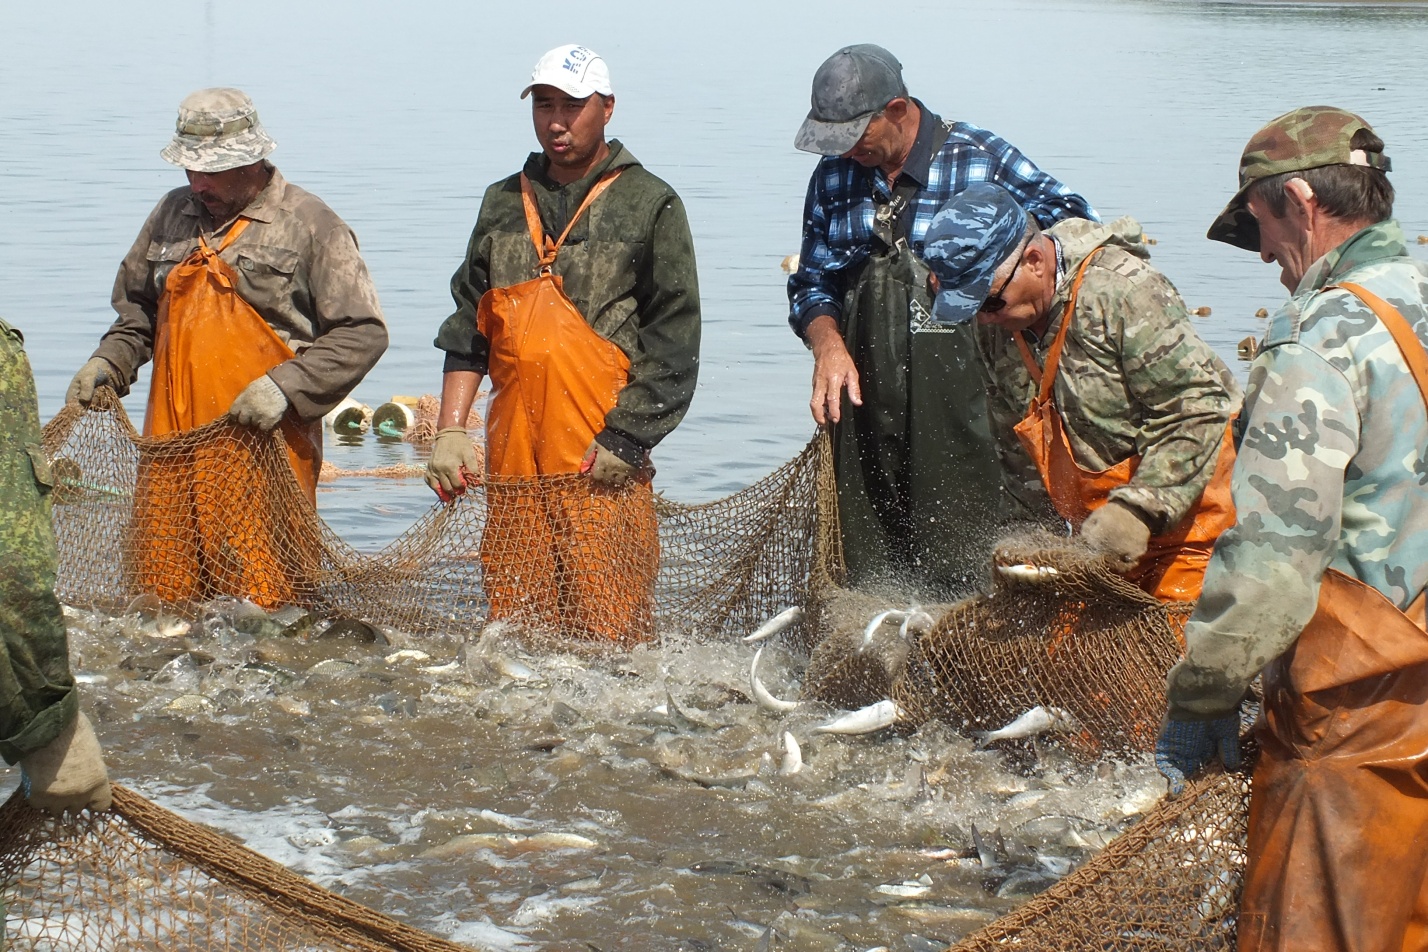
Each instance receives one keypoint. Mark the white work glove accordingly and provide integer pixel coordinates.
(1119, 531)
(605, 468)
(261, 404)
(68, 773)
(96, 372)
(453, 463)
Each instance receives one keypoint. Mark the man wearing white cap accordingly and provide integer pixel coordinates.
(591, 251)
(251, 298)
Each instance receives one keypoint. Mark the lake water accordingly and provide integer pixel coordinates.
(399, 115)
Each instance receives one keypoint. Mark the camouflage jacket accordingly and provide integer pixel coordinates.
(37, 695)
(298, 266)
(628, 266)
(1135, 379)
(1330, 472)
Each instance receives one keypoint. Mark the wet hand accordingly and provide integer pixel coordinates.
(1118, 531)
(833, 370)
(454, 463)
(68, 773)
(1184, 747)
(605, 468)
(261, 404)
(96, 372)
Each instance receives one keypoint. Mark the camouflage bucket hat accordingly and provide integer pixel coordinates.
(1307, 138)
(217, 130)
(969, 238)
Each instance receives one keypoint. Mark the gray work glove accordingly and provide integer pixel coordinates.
(605, 468)
(1118, 531)
(96, 372)
(453, 463)
(68, 773)
(261, 404)
(1184, 747)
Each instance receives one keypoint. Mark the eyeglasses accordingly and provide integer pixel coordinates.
(995, 302)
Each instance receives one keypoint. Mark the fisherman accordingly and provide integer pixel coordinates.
(1319, 584)
(43, 728)
(588, 248)
(1108, 410)
(251, 297)
(911, 444)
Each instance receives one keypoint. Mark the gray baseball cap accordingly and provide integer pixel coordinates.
(217, 130)
(852, 86)
(969, 238)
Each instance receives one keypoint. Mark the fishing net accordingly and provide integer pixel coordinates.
(216, 512)
(141, 878)
(1059, 629)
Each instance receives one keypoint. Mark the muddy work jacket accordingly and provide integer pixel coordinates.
(627, 266)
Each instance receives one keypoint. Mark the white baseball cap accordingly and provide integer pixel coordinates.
(577, 71)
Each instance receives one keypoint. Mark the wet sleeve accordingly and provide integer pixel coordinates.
(350, 333)
(665, 367)
(1027, 496)
(128, 344)
(466, 348)
(812, 289)
(1262, 585)
(1184, 392)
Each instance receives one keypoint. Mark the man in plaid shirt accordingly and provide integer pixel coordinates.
(919, 489)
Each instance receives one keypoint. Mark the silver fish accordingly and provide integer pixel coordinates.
(916, 622)
(1026, 572)
(1036, 721)
(876, 623)
(776, 624)
(874, 717)
(761, 694)
(792, 761)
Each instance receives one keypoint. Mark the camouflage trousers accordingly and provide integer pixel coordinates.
(37, 697)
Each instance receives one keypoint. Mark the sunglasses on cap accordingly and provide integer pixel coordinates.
(995, 302)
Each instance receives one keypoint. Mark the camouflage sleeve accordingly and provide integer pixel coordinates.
(1262, 585)
(1027, 496)
(37, 695)
(1184, 392)
(128, 344)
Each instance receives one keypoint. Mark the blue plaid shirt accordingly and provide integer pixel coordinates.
(838, 214)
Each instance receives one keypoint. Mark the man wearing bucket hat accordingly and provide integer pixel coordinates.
(1318, 587)
(251, 298)
(594, 252)
(910, 436)
(1107, 408)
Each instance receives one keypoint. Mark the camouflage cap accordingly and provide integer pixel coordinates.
(969, 238)
(217, 130)
(1307, 138)
(852, 86)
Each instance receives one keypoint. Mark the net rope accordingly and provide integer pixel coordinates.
(1057, 628)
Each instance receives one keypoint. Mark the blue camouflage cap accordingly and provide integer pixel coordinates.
(967, 241)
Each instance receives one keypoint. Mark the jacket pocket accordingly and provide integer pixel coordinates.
(44, 474)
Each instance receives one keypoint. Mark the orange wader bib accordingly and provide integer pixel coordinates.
(207, 520)
(1338, 825)
(1173, 567)
(564, 553)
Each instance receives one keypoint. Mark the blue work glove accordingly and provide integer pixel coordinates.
(1183, 747)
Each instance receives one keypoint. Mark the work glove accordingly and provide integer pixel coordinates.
(261, 404)
(67, 773)
(605, 468)
(96, 372)
(1183, 747)
(453, 464)
(1118, 531)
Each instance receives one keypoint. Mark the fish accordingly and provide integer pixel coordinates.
(406, 654)
(986, 853)
(792, 761)
(877, 622)
(1036, 721)
(1026, 572)
(761, 694)
(776, 624)
(865, 720)
(907, 889)
(916, 622)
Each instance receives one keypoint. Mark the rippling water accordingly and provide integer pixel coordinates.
(354, 769)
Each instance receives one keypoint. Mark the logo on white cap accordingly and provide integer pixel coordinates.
(577, 71)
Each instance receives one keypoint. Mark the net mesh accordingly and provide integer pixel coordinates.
(1057, 629)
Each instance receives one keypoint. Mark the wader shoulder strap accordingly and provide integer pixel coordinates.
(544, 246)
(1053, 356)
(1417, 359)
(230, 237)
(889, 223)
